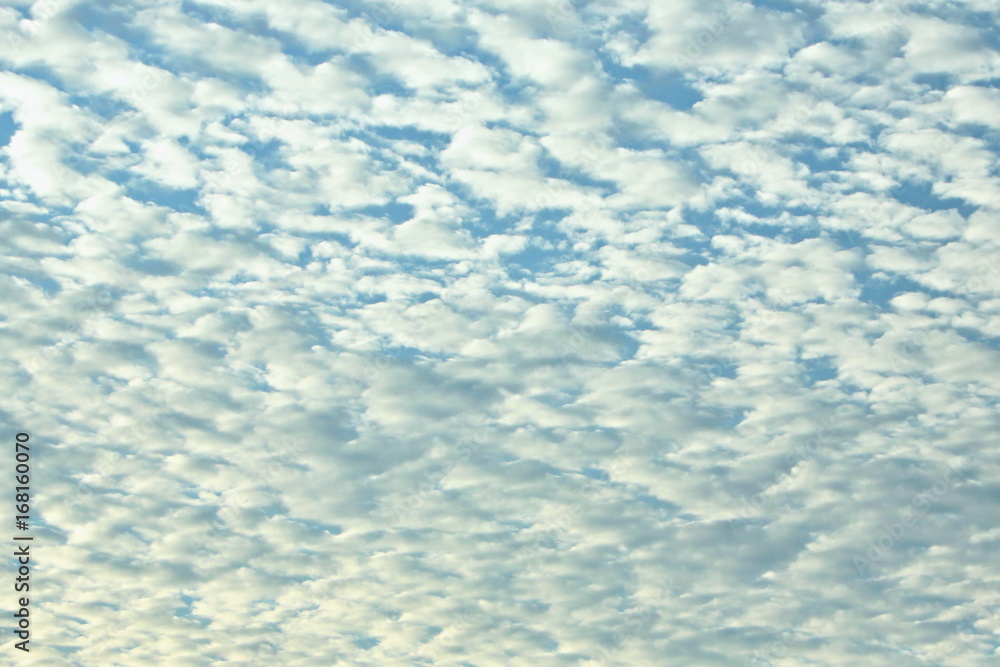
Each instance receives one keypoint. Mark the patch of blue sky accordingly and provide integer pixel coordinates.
(670, 87)
(385, 136)
(725, 418)
(75, 159)
(847, 239)
(411, 354)
(104, 106)
(710, 369)
(964, 14)
(607, 332)
(365, 643)
(513, 89)
(708, 222)
(819, 369)
(981, 131)
(558, 399)
(377, 14)
(530, 262)
(693, 161)
(934, 80)
(782, 222)
(111, 19)
(118, 22)
(419, 266)
(979, 336)
(451, 40)
(377, 82)
(40, 73)
(185, 610)
(147, 191)
(53, 217)
(319, 527)
(48, 285)
(625, 345)
(639, 323)
(986, 82)
(404, 133)
(424, 297)
(783, 212)
(878, 289)
(813, 152)
(920, 194)
(513, 92)
(257, 380)
(633, 24)
(655, 502)
(598, 475)
(789, 6)
(395, 211)
(543, 252)
(7, 127)
(790, 229)
(152, 266)
(208, 12)
(254, 23)
(553, 168)
(267, 155)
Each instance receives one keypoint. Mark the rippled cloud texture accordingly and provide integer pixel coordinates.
(521, 332)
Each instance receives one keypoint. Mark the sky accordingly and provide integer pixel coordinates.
(521, 332)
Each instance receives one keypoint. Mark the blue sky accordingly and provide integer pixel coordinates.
(467, 332)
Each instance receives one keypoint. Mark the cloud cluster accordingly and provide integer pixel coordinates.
(525, 333)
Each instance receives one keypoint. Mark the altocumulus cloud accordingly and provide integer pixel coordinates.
(505, 333)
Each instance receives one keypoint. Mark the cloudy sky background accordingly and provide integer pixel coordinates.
(520, 332)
